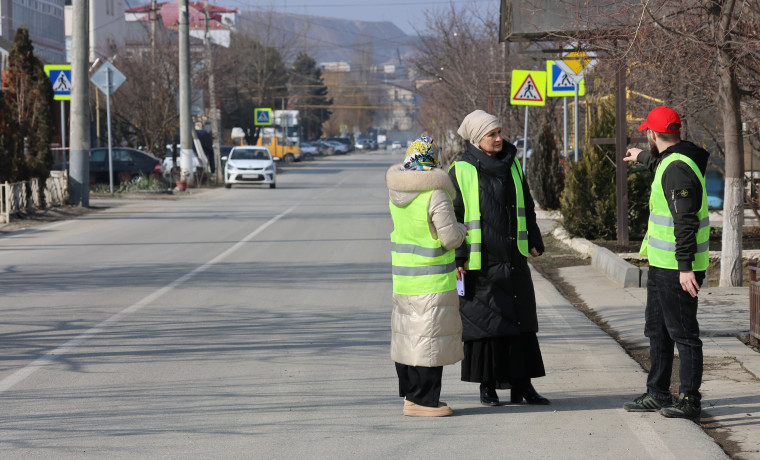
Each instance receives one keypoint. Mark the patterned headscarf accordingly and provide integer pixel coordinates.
(421, 155)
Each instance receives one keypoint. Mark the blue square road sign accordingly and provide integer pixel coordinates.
(60, 78)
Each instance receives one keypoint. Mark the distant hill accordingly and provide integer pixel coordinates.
(330, 39)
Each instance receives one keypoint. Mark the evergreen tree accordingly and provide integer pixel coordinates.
(30, 102)
(307, 85)
(639, 187)
(588, 201)
(10, 155)
(545, 174)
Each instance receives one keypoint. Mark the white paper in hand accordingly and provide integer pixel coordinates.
(460, 286)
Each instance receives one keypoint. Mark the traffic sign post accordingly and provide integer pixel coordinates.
(575, 64)
(262, 117)
(108, 79)
(60, 78)
(561, 83)
(528, 88)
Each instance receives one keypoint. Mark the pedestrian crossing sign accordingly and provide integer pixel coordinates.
(528, 87)
(560, 82)
(262, 117)
(60, 78)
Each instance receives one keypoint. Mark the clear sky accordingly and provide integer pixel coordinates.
(402, 13)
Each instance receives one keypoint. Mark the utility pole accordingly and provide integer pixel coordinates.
(185, 121)
(153, 19)
(621, 145)
(212, 100)
(79, 179)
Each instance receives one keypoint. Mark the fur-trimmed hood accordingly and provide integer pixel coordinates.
(404, 185)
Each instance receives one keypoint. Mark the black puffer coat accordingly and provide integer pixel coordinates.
(499, 300)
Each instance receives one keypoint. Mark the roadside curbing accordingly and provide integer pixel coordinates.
(615, 268)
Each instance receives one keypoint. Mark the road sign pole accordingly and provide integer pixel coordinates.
(525, 142)
(108, 122)
(575, 136)
(63, 134)
(564, 125)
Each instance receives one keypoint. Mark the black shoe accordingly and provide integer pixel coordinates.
(685, 407)
(488, 396)
(530, 395)
(646, 403)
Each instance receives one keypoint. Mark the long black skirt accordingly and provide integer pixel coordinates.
(499, 361)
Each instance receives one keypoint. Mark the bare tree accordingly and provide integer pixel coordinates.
(699, 56)
(462, 67)
(249, 75)
(145, 106)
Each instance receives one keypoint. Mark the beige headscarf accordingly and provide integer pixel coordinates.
(476, 125)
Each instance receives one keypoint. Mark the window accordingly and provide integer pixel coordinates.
(99, 155)
(120, 155)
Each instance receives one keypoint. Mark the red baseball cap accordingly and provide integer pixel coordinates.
(660, 118)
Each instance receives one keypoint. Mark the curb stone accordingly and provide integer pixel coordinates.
(617, 269)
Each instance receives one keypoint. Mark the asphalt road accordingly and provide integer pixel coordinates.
(254, 323)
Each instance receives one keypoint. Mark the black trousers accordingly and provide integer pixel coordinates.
(420, 385)
(671, 319)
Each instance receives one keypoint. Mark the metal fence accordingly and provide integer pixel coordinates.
(754, 303)
(24, 197)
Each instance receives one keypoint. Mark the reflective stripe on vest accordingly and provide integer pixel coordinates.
(421, 265)
(659, 244)
(467, 178)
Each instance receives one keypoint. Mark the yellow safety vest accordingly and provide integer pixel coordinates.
(659, 244)
(467, 178)
(421, 265)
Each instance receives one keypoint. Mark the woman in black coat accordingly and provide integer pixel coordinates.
(498, 308)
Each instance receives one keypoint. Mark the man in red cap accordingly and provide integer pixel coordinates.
(676, 245)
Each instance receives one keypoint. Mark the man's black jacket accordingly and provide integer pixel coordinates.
(683, 191)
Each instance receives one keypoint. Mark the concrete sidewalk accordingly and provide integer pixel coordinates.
(730, 389)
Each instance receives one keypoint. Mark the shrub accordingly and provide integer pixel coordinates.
(588, 203)
(545, 174)
(639, 187)
(588, 200)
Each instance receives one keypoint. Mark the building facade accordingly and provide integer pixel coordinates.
(45, 21)
(107, 28)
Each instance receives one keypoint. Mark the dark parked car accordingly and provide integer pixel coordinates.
(128, 165)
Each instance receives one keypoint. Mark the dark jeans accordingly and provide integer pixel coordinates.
(671, 319)
(420, 385)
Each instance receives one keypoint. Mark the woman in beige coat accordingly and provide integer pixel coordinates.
(426, 326)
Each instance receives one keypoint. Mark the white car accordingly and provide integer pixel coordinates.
(249, 165)
(519, 144)
(168, 165)
(396, 145)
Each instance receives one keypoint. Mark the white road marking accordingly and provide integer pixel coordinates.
(20, 375)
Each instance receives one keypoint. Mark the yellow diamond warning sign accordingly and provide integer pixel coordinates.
(577, 61)
(528, 87)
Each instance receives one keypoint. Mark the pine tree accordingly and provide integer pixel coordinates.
(588, 201)
(30, 102)
(545, 174)
(307, 85)
(10, 155)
